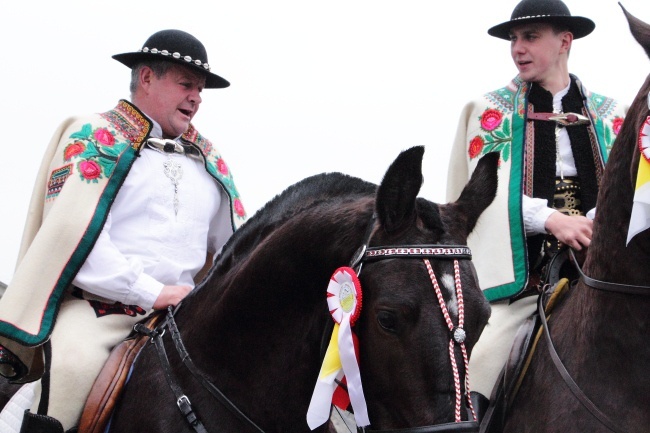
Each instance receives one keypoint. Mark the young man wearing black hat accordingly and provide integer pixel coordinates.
(554, 137)
(127, 206)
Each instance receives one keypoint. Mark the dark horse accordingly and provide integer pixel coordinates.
(600, 330)
(257, 326)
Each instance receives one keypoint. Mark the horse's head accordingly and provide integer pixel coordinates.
(404, 336)
(264, 309)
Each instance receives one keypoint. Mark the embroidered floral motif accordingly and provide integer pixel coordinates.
(90, 170)
(610, 131)
(495, 135)
(491, 119)
(616, 125)
(94, 151)
(218, 168)
(475, 147)
(239, 208)
(73, 149)
(222, 166)
(103, 136)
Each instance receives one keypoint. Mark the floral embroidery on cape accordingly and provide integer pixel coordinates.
(495, 135)
(94, 151)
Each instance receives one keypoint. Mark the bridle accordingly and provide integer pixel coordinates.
(559, 365)
(363, 255)
(457, 334)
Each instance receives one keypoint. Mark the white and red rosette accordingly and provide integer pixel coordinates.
(644, 137)
(344, 301)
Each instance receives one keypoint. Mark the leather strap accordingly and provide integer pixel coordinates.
(564, 119)
(457, 427)
(216, 392)
(45, 380)
(629, 289)
(575, 389)
(182, 401)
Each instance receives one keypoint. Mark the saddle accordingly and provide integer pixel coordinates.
(110, 382)
(523, 347)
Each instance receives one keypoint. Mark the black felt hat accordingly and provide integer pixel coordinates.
(175, 46)
(545, 11)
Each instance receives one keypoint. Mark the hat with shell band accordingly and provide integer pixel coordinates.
(543, 11)
(176, 46)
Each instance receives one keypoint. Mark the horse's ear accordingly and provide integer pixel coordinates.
(480, 191)
(395, 204)
(640, 30)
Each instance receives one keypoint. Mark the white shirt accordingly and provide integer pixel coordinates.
(144, 245)
(535, 211)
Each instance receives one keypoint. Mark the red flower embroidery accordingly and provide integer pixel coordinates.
(616, 124)
(475, 147)
(222, 167)
(73, 149)
(491, 119)
(103, 136)
(239, 208)
(90, 170)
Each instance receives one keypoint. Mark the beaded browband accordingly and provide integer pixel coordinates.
(419, 251)
(176, 55)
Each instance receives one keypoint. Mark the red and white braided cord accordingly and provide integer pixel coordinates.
(450, 325)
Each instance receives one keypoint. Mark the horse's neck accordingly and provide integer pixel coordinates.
(608, 256)
(267, 316)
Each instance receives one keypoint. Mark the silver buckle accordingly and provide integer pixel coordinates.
(570, 119)
(183, 399)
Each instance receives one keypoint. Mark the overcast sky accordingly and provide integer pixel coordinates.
(317, 86)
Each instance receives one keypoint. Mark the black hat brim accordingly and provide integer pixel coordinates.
(579, 26)
(212, 81)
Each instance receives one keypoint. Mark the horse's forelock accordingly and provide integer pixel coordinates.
(429, 214)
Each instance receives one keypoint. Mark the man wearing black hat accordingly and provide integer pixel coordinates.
(554, 137)
(127, 207)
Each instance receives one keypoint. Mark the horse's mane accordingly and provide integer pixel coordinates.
(302, 195)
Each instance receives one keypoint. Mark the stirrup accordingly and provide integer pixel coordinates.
(37, 423)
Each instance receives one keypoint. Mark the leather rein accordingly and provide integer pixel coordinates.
(182, 401)
(559, 365)
(362, 255)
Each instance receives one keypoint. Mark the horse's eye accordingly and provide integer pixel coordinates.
(387, 320)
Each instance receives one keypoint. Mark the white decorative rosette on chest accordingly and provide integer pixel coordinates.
(344, 298)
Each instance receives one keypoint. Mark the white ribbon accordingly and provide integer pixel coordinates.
(344, 301)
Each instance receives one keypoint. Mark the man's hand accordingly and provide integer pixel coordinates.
(574, 231)
(170, 296)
